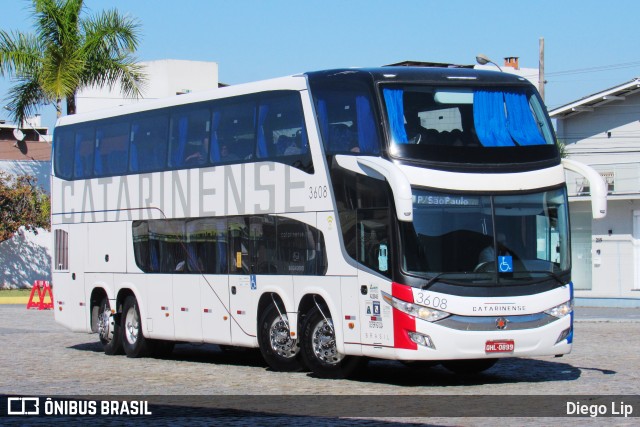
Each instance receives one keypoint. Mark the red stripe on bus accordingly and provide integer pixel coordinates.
(402, 322)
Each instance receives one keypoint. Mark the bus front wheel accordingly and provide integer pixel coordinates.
(319, 348)
(134, 342)
(279, 350)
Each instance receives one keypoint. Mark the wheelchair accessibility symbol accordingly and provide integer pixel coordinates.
(505, 264)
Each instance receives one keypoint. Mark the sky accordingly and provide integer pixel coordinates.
(590, 45)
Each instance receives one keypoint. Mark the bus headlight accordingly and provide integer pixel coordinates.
(419, 311)
(561, 310)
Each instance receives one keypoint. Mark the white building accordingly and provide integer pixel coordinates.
(512, 66)
(166, 77)
(603, 131)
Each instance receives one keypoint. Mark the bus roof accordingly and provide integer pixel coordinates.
(294, 82)
(421, 74)
(298, 82)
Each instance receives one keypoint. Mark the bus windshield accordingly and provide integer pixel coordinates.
(498, 239)
(473, 125)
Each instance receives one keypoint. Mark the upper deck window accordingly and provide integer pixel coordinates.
(267, 126)
(482, 125)
(347, 119)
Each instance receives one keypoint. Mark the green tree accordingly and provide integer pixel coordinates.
(562, 149)
(22, 202)
(68, 52)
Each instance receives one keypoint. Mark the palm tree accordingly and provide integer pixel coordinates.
(69, 51)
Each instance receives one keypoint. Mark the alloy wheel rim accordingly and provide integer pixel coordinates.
(324, 344)
(280, 339)
(132, 325)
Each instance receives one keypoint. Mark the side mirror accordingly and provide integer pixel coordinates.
(383, 170)
(596, 183)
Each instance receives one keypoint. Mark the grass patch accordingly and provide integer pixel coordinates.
(10, 293)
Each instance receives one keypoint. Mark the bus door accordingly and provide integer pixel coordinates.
(373, 254)
(68, 276)
(242, 283)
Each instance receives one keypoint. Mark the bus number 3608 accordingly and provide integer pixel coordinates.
(319, 192)
(435, 302)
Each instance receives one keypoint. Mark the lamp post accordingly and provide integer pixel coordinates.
(484, 60)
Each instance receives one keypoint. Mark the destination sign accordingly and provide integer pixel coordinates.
(433, 200)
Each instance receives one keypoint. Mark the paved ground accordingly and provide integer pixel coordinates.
(40, 358)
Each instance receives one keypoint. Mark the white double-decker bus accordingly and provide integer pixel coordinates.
(417, 214)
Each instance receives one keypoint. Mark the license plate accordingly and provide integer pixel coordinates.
(503, 346)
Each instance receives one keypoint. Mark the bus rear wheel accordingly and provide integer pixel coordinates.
(134, 342)
(108, 329)
(319, 348)
(279, 350)
(469, 366)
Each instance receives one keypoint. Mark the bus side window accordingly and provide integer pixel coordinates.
(63, 161)
(281, 129)
(235, 132)
(167, 245)
(239, 245)
(84, 146)
(347, 121)
(300, 248)
(112, 149)
(141, 252)
(206, 244)
(149, 143)
(373, 245)
(189, 138)
(363, 208)
(262, 233)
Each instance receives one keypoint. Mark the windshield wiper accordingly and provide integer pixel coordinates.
(433, 280)
(549, 273)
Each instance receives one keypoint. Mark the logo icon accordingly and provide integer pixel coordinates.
(23, 406)
(501, 323)
(505, 264)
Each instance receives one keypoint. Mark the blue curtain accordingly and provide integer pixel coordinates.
(183, 129)
(78, 165)
(99, 166)
(304, 143)
(133, 161)
(305, 140)
(83, 166)
(367, 140)
(263, 111)
(490, 119)
(520, 121)
(395, 111)
(215, 144)
(323, 122)
(154, 261)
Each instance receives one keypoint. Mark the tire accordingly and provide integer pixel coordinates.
(279, 350)
(319, 349)
(109, 330)
(469, 366)
(133, 341)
